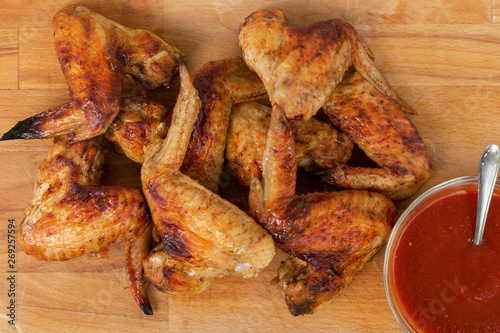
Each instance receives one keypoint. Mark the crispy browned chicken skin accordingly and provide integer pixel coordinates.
(220, 84)
(95, 53)
(203, 236)
(318, 145)
(139, 121)
(329, 235)
(71, 214)
(384, 133)
(301, 66)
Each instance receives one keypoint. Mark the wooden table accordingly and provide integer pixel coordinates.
(443, 57)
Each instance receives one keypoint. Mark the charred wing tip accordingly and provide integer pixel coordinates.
(25, 129)
(146, 308)
(328, 174)
(301, 309)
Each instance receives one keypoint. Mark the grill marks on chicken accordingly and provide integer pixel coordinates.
(385, 134)
(329, 235)
(71, 214)
(301, 66)
(318, 144)
(220, 84)
(95, 53)
(203, 236)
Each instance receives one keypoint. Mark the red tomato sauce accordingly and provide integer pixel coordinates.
(445, 282)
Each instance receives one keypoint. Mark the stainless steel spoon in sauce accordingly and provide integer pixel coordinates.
(488, 172)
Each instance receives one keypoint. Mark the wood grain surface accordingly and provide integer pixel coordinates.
(442, 57)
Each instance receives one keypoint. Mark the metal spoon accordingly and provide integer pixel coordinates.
(488, 172)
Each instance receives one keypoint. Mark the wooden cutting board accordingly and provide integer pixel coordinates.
(442, 57)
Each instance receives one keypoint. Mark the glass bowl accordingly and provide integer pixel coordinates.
(463, 183)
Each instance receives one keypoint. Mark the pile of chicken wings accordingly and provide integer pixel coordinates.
(297, 97)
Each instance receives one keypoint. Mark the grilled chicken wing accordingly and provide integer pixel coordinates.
(385, 134)
(203, 236)
(139, 121)
(318, 144)
(301, 66)
(71, 214)
(329, 235)
(94, 54)
(219, 85)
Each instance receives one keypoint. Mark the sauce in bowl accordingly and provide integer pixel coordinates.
(439, 281)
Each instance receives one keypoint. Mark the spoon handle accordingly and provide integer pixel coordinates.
(488, 172)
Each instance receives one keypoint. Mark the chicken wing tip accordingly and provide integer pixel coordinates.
(146, 307)
(301, 309)
(25, 129)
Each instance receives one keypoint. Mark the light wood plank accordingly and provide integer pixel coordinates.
(17, 179)
(34, 319)
(105, 293)
(18, 105)
(9, 57)
(457, 124)
(496, 11)
(21, 104)
(220, 12)
(39, 14)
(436, 55)
(229, 305)
(144, 14)
(447, 115)
(39, 67)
